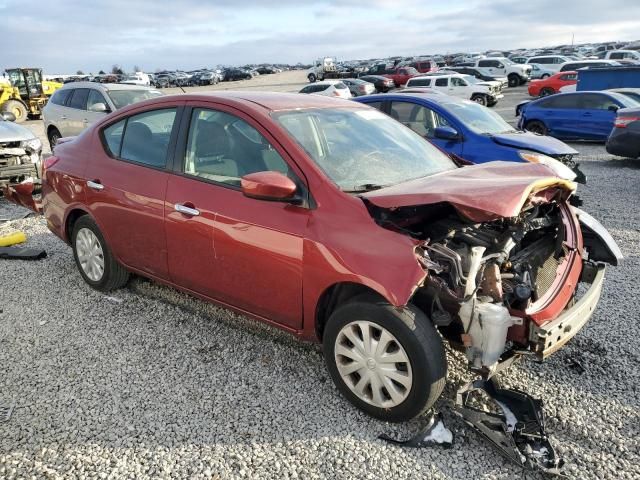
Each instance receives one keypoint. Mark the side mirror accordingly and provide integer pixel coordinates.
(446, 133)
(99, 108)
(613, 108)
(273, 186)
(8, 116)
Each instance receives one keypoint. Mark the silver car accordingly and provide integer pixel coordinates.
(20, 151)
(77, 105)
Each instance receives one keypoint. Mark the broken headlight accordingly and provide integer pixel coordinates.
(33, 144)
(560, 169)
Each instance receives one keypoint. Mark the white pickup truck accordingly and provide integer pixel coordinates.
(323, 69)
(461, 86)
(517, 74)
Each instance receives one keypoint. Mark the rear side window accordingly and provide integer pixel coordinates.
(560, 101)
(340, 86)
(142, 138)
(79, 99)
(60, 97)
(420, 82)
(376, 105)
(442, 82)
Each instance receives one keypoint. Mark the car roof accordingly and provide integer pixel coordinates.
(271, 101)
(104, 86)
(422, 97)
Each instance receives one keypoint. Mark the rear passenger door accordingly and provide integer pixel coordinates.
(76, 112)
(126, 186)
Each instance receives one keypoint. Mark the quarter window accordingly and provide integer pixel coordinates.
(223, 148)
(113, 137)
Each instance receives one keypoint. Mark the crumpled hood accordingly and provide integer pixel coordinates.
(12, 132)
(481, 192)
(537, 143)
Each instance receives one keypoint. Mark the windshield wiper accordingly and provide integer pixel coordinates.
(366, 187)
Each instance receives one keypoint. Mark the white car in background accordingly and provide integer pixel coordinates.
(328, 88)
(462, 86)
(551, 62)
(503, 67)
(541, 71)
(138, 78)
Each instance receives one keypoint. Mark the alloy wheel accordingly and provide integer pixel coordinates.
(373, 364)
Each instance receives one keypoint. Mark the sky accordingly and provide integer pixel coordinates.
(64, 36)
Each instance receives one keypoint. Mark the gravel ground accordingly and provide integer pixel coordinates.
(150, 383)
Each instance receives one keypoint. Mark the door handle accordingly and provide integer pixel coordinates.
(95, 185)
(185, 210)
(85, 121)
(63, 117)
(587, 114)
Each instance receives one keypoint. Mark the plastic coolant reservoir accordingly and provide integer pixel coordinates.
(495, 321)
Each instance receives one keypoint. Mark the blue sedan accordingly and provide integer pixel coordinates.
(574, 116)
(466, 129)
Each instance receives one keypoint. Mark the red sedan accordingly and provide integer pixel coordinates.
(552, 84)
(334, 222)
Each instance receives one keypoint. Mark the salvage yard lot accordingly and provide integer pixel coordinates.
(148, 382)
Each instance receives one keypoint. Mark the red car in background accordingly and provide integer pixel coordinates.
(336, 223)
(424, 66)
(552, 84)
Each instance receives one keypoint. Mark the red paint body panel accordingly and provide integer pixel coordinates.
(271, 260)
(554, 82)
(480, 192)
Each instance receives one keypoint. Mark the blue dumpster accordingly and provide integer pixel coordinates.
(604, 78)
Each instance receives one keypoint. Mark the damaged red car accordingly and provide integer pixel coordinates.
(333, 221)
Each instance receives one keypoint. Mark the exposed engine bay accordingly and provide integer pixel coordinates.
(17, 162)
(483, 277)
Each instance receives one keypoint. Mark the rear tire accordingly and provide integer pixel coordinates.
(545, 75)
(17, 108)
(312, 78)
(537, 127)
(546, 91)
(418, 362)
(93, 257)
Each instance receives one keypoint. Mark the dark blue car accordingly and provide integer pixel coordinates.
(466, 129)
(574, 116)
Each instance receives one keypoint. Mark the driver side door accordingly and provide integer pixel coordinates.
(240, 251)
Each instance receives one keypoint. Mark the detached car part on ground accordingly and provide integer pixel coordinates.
(365, 237)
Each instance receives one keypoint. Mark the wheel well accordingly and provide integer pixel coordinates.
(73, 217)
(333, 297)
(50, 128)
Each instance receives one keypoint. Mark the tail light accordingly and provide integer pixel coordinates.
(622, 122)
(362, 89)
(336, 93)
(48, 163)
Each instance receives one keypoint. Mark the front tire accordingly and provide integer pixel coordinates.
(93, 257)
(537, 127)
(389, 363)
(479, 99)
(514, 80)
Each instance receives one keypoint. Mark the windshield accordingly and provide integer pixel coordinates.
(470, 79)
(363, 149)
(479, 119)
(122, 98)
(506, 61)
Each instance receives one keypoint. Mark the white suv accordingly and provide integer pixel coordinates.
(329, 88)
(503, 67)
(461, 86)
(550, 62)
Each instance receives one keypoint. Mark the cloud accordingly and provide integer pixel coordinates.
(76, 34)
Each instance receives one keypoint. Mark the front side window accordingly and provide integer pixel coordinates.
(361, 149)
(458, 82)
(223, 148)
(145, 139)
(418, 118)
(95, 98)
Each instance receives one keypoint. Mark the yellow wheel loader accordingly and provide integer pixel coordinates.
(24, 93)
